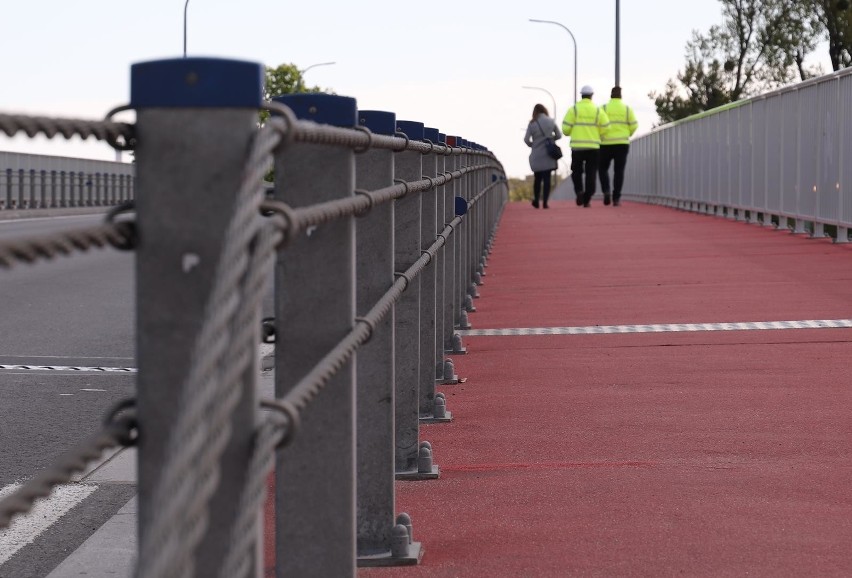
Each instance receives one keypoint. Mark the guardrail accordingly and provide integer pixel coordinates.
(33, 182)
(771, 159)
(377, 234)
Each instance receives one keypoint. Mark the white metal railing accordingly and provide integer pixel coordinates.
(779, 159)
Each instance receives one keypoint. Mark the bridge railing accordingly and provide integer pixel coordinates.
(31, 182)
(376, 233)
(779, 159)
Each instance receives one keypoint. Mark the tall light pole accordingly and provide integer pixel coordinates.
(307, 68)
(617, 42)
(185, 6)
(574, 40)
(548, 92)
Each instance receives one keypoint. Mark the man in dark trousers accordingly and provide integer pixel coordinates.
(615, 145)
(585, 123)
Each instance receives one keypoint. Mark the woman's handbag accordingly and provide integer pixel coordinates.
(552, 148)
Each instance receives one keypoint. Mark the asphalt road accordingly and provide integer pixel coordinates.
(68, 312)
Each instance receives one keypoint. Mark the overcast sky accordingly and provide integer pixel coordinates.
(458, 66)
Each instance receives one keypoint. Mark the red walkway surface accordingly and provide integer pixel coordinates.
(720, 453)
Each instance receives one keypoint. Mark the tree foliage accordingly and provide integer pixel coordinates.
(834, 18)
(760, 45)
(285, 78)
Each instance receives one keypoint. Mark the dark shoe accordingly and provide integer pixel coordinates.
(607, 199)
(579, 199)
(616, 202)
(587, 204)
(535, 204)
(545, 206)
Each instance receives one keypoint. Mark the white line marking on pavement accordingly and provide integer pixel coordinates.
(29, 356)
(89, 389)
(71, 368)
(674, 327)
(26, 528)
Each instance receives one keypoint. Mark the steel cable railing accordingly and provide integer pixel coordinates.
(171, 541)
(274, 431)
(223, 349)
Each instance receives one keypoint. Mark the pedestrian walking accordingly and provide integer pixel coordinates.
(615, 145)
(586, 124)
(540, 130)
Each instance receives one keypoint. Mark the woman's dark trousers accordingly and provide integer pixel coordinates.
(541, 187)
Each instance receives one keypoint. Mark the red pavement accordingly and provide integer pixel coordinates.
(657, 454)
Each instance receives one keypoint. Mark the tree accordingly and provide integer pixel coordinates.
(283, 79)
(833, 18)
(759, 46)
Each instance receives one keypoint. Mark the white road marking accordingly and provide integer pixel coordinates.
(27, 355)
(71, 368)
(674, 327)
(26, 528)
(90, 389)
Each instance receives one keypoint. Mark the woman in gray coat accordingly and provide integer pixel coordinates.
(540, 128)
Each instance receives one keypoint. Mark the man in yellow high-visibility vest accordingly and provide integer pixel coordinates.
(615, 145)
(586, 124)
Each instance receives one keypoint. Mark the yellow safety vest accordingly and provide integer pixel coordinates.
(586, 124)
(622, 122)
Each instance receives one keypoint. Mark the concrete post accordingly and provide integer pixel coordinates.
(428, 287)
(446, 373)
(315, 298)
(376, 376)
(440, 268)
(188, 123)
(408, 167)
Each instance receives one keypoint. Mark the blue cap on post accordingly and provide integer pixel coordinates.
(378, 121)
(442, 138)
(461, 206)
(196, 83)
(413, 130)
(341, 111)
(431, 134)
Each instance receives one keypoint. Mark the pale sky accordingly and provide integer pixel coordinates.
(458, 66)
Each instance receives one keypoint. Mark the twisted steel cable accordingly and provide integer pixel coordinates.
(104, 130)
(174, 533)
(115, 432)
(30, 250)
(233, 367)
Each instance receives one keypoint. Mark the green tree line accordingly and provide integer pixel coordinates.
(759, 46)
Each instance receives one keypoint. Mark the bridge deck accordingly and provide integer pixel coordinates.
(692, 448)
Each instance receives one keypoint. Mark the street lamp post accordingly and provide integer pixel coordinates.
(617, 42)
(574, 40)
(185, 6)
(307, 68)
(548, 92)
